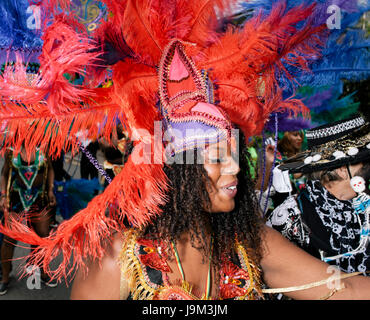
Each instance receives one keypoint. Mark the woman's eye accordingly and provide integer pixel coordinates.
(217, 160)
(235, 157)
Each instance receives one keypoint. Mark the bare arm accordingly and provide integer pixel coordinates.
(286, 265)
(50, 184)
(51, 176)
(103, 280)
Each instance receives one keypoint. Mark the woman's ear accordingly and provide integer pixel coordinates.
(343, 172)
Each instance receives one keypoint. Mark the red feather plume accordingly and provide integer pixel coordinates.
(65, 51)
(244, 60)
(53, 133)
(135, 91)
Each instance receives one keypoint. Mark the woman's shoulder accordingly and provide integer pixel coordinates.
(101, 279)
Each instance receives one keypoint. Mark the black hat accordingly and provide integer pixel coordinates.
(332, 145)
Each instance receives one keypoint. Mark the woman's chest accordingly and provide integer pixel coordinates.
(155, 275)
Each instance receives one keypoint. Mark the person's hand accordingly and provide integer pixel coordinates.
(270, 153)
(52, 199)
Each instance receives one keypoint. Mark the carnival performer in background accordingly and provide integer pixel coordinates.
(195, 229)
(27, 183)
(290, 144)
(330, 216)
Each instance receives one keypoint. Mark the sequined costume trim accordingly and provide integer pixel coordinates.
(240, 283)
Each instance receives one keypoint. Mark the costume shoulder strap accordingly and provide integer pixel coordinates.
(124, 288)
(254, 271)
(133, 277)
(127, 248)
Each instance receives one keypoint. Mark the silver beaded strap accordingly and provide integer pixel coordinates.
(339, 128)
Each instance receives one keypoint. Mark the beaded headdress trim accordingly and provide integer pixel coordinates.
(333, 130)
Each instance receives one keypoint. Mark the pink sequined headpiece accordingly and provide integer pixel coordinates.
(190, 117)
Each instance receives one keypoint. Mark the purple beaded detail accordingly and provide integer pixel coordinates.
(95, 163)
(273, 165)
(264, 166)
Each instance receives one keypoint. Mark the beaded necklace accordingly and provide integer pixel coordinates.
(178, 262)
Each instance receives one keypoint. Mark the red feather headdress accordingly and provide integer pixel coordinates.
(243, 63)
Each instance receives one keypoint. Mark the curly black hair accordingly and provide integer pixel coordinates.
(184, 212)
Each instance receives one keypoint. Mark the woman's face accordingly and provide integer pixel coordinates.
(222, 170)
(295, 139)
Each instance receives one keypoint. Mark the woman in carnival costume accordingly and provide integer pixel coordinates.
(195, 228)
(27, 187)
(27, 177)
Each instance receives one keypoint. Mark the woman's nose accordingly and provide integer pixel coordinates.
(231, 166)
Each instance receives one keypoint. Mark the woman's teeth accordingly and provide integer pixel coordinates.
(231, 188)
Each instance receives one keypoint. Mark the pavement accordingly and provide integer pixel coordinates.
(30, 287)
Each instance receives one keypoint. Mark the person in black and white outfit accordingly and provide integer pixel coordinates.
(329, 218)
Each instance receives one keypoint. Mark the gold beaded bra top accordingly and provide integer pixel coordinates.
(144, 267)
